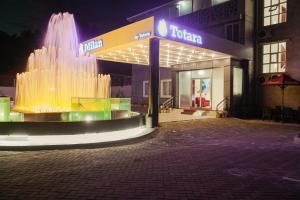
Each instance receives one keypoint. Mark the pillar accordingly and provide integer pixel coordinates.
(154, 80)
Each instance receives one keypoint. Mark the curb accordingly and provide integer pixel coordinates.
(148, 134)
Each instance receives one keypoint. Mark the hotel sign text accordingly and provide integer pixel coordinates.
(165, 29)
(94, 44)
(143, 35)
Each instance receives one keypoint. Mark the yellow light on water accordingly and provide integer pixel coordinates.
(57, 72)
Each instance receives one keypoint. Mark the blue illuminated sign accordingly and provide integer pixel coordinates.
(95, 44)
(165, 29)
(143, 35)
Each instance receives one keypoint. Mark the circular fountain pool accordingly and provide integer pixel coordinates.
(39, 133)
(62, 100)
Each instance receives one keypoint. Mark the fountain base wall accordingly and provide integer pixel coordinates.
(38, 127)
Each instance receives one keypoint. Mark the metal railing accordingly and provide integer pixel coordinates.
(224, 103)
(167, 105)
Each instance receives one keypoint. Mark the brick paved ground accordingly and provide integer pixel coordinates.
(205, 159)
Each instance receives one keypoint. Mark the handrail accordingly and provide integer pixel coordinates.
(169, 103)
(170, 100)
(219, 104)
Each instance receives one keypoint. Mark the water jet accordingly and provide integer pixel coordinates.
(61, 94)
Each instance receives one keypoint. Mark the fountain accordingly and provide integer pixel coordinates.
(62, 100)
(56, 73)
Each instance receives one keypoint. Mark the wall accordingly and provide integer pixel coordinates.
(121, 91)
(290, 32)
(271, 96)
(140, 74)
(214, 19)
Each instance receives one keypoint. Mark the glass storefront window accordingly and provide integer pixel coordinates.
(237, 81)
(186, 78)
(201, 88)
(185, 94)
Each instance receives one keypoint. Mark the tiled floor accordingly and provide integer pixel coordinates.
(200, 159)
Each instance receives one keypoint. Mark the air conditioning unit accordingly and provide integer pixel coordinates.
(264, 34)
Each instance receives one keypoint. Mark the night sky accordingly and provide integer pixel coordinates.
(93, 17)
(23, 25)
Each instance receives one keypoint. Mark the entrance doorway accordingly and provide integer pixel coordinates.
(201, 93)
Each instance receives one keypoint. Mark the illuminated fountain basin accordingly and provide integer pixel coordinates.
(92, 121)
(61, 98)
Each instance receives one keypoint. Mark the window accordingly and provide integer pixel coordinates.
(275, 12)
(274, 57)
(145, 88)
(237, 81)
(185, 7)
(232, 32)
(166, 88)
(216, 2)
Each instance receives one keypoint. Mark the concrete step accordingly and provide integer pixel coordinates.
(194, 110)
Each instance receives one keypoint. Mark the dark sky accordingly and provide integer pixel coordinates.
(93, 17)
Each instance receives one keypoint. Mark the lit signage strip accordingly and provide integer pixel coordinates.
(92, 45)
(169, 30)
(143, 35)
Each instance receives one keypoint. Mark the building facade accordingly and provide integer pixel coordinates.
(277, 44)
(268, 28)
(208, 83)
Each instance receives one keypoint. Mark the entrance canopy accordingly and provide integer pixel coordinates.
(178, 44)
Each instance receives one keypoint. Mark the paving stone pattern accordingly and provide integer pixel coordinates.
(215, 159)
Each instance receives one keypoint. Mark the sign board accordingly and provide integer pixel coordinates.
(91, 45)
(143, 29)
(178, 33)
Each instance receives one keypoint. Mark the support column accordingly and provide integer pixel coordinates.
(154, 80)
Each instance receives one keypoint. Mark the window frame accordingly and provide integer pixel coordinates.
(162, 95)
(271, 54)
(214, 3)
(231, 25)
(144, 89)
(268, 13)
